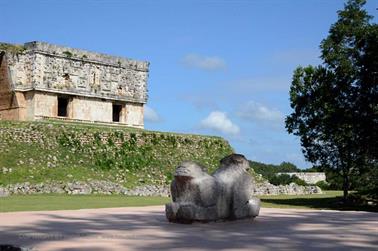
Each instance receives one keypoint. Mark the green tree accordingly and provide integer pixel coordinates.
(269, 171)
(285, 179)
(288, 167)
(335, 104)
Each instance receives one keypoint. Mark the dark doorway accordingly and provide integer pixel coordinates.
(62, 106)
(116, 112)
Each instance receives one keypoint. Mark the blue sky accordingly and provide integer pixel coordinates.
(217, 67)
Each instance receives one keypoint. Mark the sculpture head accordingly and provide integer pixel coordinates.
(188, 170)
(235, 160)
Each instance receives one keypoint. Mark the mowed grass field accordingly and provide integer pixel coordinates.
(42, 202)
(327, 200)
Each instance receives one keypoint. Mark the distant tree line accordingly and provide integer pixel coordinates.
(334, 181)
(270, 171)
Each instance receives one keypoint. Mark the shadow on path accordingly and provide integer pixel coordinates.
(148, 230)
(334, 203)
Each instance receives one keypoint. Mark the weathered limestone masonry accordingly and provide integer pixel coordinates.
(309, 177)
(41, 80)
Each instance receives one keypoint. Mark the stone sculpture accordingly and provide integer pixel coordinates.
(224, 195)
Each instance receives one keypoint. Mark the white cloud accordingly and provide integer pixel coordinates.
(259, 113)
(204, 62)
(219, 121)
(150, 114)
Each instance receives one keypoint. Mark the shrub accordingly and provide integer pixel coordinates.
(13, 48)
(298, 181)
(323, 185)
(269, 170)
(67, 53)
(285, 179)
(282, 179)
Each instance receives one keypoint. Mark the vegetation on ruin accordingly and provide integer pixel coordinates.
(13, 48)
(51, 151)
(67, 53)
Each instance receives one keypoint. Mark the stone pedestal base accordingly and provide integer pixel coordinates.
(188, 212)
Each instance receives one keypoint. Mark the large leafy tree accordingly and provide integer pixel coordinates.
(335, 104)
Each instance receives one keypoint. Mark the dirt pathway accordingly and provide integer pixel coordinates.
(145, 228)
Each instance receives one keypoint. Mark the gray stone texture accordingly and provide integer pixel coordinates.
(3, 192)
(107, 187)
(265, 188)
(78, 187)
(224, 195)
(308, 177)
(57, 69)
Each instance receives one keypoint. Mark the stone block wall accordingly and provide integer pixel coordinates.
(91, 109)
(134, 114)
(308, 177)
(8, 108)
(45, 104)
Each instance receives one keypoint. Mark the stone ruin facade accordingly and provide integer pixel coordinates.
(44, 81)
(308, 177)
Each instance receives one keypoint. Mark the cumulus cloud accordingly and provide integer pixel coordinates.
(204, 62)
(218, 121)
(259, 113)
(150, 114)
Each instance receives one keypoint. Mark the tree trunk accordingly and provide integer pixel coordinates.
(345, 183)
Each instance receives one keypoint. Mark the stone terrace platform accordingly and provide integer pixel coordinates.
(145, 228)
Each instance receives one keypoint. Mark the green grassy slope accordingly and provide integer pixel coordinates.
(55, 151)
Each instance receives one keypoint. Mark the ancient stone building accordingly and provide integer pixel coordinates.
(308, 177)
(44, 81)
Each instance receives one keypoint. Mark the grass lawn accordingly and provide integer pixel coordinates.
(65, 202)
(327, 200)
(301, 201)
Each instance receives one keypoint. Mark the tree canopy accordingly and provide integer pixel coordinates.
(268, 171)
(335, 103)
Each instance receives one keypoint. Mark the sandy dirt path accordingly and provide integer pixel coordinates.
(145, 228)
